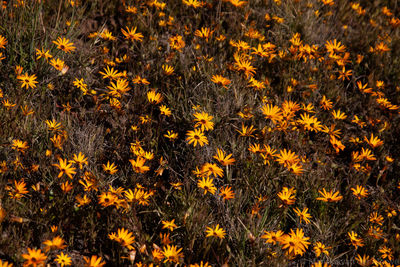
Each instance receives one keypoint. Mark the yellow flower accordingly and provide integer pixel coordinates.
(110, 168)
(224, 159)
(193, 3)
(19, 145)
(63, 259)
(207, 185)
(287, 158)
(27, 81)
(66, 168)
(287, 196)
(34, 257)
(363, 261)
(177, 42)
(295, 242)
(171, 135)
(272, 112)
(329, 196)
(170, 225)
(153, 97)
(168, 70)
(5, 264)
(226, 193)
(124, 237)
(79, 159)
(53, 125)
(359, 192)
(41, 53)
(355, 240)
(3, 42)
(218, 79)
(172, 254)
(196, 137)
(273, 237)
(373, 141)
(209, 169)
(138, 165)
(217, 232)
(203, 120)
(109, 74)
(82, 201)
(132, 35)
(338, 115)
(107, 199)
(303, 215)
(19, 189)
(320, 248)
(58, 64)
(64, 44)
(56, 243)
(93, 261)
(204, 32)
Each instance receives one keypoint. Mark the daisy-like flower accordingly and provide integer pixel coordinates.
(94, 261)
(224, 159)
(170, 225)
(171, 135)
(165, 111)
(56, 243)
(65, 168)
(193, 3)
(272, 112)
(154, 97)
(53, 125)
(110, 168)
(138, 165)
(35, 257)
(209, 169)
(303, 215)
(220, 80)
(295, 242)
(63, 259)
(172, 254)
(168, 70)
(329, 196)
(320, 248)
(287, 196)
(3, 42)
(226, 193)
(43, 53)
(273, 237)
(132, 35)
(58, 64)
(5, 264)
(107, 199)
(19, 145)
(82, 201)
(80, 160)
(355, 240)
(27, 81)
(359, 191)
(207, 185)
(196, 137)
(203, 120)
(287, 158)
(216, 232)
(110, 73)
(64, 44)
(204, 32)
(124, 237)
(19, 189)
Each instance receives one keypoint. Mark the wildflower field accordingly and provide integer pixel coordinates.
(200, 133)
